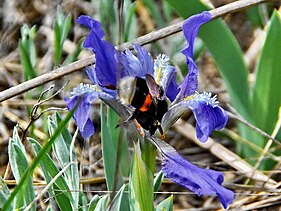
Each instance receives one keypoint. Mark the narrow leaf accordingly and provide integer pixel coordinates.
(109, 153)
(158, 181)
(102, 203)
(116, 203)
(140, 184)
(36, 161)
(19, 164)
(93, 203)
(50, 171)
(166, 205)
(267, 92)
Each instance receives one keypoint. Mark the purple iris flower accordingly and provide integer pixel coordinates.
(198, 180)
(104, 73)
(208, 114)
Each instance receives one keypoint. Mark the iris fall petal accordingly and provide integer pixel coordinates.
(82, 113)
(198, 180)
(208, 118)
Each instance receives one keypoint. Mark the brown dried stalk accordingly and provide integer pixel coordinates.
(153, 36)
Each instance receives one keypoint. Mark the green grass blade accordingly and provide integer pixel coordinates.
(102, 203)
(4, 188)
(125, 158)
(116, 204)
(158, 181)
(112, 122)
(109, 22)
(65, 28)
(167, 11)
(166, 205)
(19, 163)
(61, 190)
(266, 93)
(154, 12)
(64, 151)
(62, 26)
(62, 199)
(60, 147)
(57, 48)
(149, 152)
(83, 202)
(28, 52)
(3, 199)
(119, 135)
(93, 203)
(140, 184)
(73, 57)
(4, 193)
(109, 153)
(27, 195)
(36, 161)
(253, 14)
(130, 22)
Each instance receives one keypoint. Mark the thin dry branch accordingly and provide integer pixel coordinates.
(153, 36)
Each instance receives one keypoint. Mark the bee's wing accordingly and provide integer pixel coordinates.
(155, 90)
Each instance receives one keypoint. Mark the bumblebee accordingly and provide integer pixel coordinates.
(146, 96)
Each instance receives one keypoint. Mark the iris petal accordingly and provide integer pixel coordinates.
(208, 118)
(131, 64)
(196, 179)
(82, 113)
(139, 65)
(91, 24)
(173, 89)
(106, 67)
(165, 75)
(85, 95)
(208, 114)
(190, 30)
(145, 60)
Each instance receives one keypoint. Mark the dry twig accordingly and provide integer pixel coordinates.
(148, 38)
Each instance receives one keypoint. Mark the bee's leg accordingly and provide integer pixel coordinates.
(139, 128)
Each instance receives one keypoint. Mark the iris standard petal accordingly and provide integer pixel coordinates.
(131, 64)
(173, 89)
(106, 67)
(139, 65)
(91, 24)
(196, 179)
(164, 73)
(145, 60)
(190, 30)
